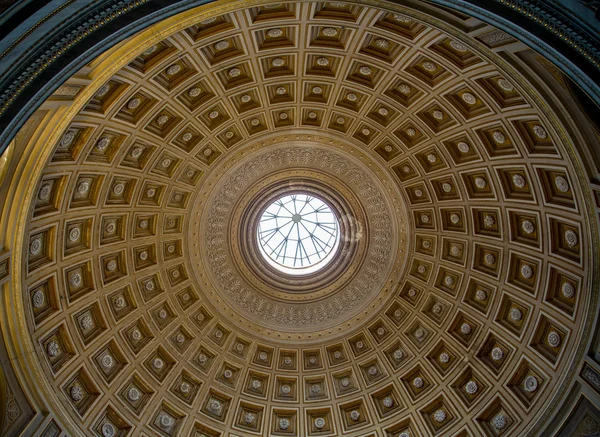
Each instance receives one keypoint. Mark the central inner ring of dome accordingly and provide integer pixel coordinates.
(298, 234)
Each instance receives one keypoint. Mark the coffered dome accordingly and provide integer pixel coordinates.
(304, 219)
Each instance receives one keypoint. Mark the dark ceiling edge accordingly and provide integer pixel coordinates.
(143, 13)
(18, 13)
(519, 24)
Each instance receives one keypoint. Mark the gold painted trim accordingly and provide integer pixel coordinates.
(13, 222)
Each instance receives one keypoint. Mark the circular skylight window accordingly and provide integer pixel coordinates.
(298, 234)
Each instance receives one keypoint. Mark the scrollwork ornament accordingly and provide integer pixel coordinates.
(13, 411)
(592, 377)
(260, 306)
(589, 426)
(221, 223)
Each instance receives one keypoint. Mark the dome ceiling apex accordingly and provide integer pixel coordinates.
(433, 193)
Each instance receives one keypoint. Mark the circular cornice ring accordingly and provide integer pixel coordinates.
(94, 85)
(214, 213)
(352, 228)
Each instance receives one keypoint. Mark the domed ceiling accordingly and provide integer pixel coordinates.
(456, 302)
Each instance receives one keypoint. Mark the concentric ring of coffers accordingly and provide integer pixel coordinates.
(498, 263)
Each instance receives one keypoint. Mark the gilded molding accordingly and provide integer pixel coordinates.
(120, 57)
